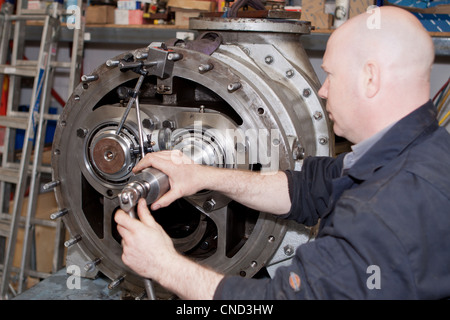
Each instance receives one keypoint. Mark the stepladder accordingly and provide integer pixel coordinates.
(22, 168)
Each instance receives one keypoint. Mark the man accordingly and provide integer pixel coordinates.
(384, 208)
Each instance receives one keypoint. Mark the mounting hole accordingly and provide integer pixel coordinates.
(109, 155)
(261, 111)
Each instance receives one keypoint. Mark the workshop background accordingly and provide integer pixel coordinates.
(175, 14)
(114, 27)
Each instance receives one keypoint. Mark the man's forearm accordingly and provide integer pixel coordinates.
(263, 192)
(266, 192)
(190, 280)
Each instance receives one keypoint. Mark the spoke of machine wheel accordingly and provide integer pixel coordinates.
(189, 242)
(109, 206)
(220, 219)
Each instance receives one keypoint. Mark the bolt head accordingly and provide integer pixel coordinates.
(209, 205)
(288, 250)
(290, 73)
(323, 140)
(82, 132)
(306, 92)
(268, 59)
(318, 115)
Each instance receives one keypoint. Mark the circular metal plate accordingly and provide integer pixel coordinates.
(108, 155)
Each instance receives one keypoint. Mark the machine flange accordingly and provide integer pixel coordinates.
(251, 104)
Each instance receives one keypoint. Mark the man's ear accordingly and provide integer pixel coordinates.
(372, 79)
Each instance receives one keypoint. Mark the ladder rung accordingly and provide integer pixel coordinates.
(45, 169)
(33, 63)
(31, 16)
(31, 273)
(56, 64)
(23, 71)
(15, 166)
(25, 114)
(37, 274)
(50, 116)
(14, 122)
(4, 229)
(5, 220)
(9, 175)
(43, 12)
(22, 122)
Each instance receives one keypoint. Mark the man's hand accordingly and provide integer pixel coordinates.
(149, 251)
(181, 170)
(146, 246)
(264, 192)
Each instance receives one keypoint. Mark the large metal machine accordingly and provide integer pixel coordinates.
(243, 95)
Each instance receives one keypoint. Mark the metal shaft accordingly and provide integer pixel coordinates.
(130, 103)
(141, 132)
(132, 213)
(149, 289)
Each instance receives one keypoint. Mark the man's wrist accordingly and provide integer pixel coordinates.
(180, 275)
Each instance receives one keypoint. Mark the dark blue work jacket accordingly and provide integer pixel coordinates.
(384, 224)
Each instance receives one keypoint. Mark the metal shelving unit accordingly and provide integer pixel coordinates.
(143, 34)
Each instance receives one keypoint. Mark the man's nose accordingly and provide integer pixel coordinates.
(323, 91)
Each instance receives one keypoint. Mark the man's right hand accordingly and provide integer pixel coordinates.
(183, 173)
(263, 192)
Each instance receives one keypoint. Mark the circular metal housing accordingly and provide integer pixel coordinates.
(243, 111)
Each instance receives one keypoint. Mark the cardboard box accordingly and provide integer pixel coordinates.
(98, 14)
(129, 5)
(189, 9)
(359, 6)
(434, 16)
(436, 6)
(120, 16)
(135, 17)
(314, 11)
(128, 17)
(182, 17)
(193, 5)
(434, 22)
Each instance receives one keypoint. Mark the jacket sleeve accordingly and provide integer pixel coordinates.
(310, 188)
(351, 262)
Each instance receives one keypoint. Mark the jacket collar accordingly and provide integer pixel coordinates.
(404, 133)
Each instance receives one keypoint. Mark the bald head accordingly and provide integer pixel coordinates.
(384, 58)
(390, 35)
